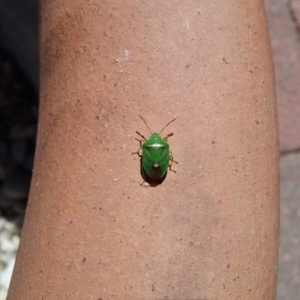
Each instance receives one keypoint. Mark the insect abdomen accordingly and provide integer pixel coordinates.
(155, 161)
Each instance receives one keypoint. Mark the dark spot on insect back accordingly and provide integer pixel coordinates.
(152, 181)
(156, 172)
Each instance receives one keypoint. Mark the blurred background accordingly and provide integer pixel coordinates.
(19, 85)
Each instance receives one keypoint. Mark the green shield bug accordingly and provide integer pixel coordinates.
(155, 154)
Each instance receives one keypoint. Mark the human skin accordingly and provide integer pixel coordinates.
(209, 231)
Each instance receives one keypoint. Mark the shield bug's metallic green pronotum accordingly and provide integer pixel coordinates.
(156, 157)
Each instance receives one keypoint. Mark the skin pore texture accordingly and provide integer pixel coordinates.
(210, 230)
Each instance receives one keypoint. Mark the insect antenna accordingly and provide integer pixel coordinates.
(141, 135)
(167, 125)
(145, 123)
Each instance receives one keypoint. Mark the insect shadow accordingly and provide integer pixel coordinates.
(156, 157)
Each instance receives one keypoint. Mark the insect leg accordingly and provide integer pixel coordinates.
(170, 134)
(141, 136)
(138, 152)
(172, 160)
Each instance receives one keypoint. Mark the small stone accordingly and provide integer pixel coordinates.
(9, 227)
(7, 273)
(3, 294)
(16, 240)
(8, 246)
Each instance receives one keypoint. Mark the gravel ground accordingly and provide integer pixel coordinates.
(289, 256)
(18, 115)
(9, 242)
